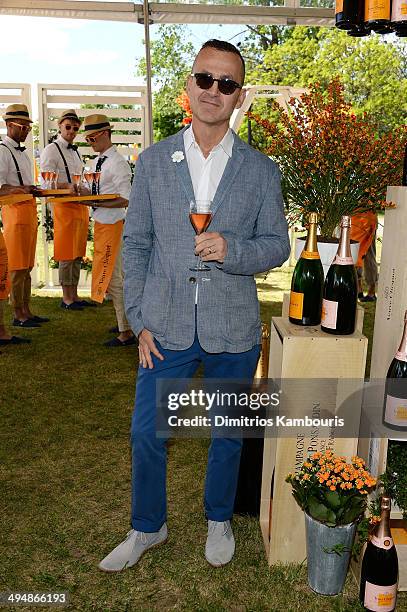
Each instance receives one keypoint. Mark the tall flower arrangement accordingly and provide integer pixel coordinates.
(332, 162)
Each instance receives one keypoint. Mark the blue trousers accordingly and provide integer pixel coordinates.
(149, 453)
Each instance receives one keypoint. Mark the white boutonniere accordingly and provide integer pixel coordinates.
(177, 156)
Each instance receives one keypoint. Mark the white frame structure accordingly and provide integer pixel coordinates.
(54, 98)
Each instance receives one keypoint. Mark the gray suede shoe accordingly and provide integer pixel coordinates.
(220, 543)
(131, 549)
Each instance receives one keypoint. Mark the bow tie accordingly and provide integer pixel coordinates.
(19, 148)
(73, 147)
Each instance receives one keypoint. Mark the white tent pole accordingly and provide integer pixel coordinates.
(149, 104)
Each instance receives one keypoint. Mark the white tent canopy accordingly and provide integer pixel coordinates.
(290, 13)
(147, 13)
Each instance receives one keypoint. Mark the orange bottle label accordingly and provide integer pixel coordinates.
(310, 255)
(339, 6)
(296, 305)
(377, 9)
(380, 598)
(399, 10)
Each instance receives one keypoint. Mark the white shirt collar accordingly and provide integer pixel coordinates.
(62, 141)
(226, 143)
(11, 141)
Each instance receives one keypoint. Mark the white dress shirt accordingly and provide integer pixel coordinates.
(8, 172)
(115, 178)
(51, 160)
(206, 173)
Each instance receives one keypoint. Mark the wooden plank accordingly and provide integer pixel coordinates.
(68, 100)
(131, 113)
(91, 88)
(128, 126)
(297, 352)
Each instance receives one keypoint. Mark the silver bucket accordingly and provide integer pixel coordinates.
(327, 568)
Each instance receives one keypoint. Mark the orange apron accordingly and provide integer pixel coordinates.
(4, 279)
(71, 222)
(20, 234)
(362, 230)
(107, 246)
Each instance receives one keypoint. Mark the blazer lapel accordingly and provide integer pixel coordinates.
(182, 166)
(226, 183)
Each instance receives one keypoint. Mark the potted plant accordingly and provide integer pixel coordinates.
(333, 495)
(332, 162)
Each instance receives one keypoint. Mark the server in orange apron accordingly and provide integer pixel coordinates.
(71, 220)
(19, 220)
(364, 231)
(115, 177)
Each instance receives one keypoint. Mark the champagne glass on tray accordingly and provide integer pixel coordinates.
(53, 180)
(88, 176)
(200, 216)
(45, 175)
(76, 181)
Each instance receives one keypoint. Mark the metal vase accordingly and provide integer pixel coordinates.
(327, 569)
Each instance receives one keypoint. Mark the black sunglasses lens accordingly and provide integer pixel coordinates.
(227, 87)
(204, 81)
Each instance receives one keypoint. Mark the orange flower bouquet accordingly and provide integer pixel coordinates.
(332, 162)
(331, 490)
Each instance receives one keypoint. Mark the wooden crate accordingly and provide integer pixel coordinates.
(303, 352)
(389, 317)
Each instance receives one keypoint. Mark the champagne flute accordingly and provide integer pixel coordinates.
(200, 216)
(88, 176)
(45, 175)
(76, 180)
(53, 179)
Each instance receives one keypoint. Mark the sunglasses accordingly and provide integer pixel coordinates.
(94, 137)
(21, 126)
(75, 128)
(225, 86)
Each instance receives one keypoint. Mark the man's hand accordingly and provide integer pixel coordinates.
(10, 189)
(147, 346)
(211, 246)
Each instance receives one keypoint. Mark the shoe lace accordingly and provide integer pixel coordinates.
(140, 535)
(214, 524)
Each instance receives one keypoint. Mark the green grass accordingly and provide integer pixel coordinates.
(66, 403)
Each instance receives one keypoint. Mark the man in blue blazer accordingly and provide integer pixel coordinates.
(184, 318)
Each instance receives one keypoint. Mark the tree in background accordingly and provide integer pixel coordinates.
(171, 58)
(373, 70)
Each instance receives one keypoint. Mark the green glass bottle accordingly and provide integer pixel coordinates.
(308, 281)
(341, 288)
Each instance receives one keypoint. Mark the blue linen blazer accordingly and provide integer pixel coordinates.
(158, 250)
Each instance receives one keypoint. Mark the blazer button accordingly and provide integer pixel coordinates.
(192, 279)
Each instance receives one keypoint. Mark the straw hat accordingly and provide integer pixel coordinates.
(69, 114)
(17, 111)
(96, 123)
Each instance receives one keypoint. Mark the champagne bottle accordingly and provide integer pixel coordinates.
(395, 402)
(341, 288)
(308, 281)
(379, 576)
(399, 17)
(346, 14)
(359, 28)
(377, 15)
